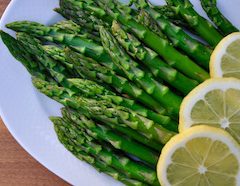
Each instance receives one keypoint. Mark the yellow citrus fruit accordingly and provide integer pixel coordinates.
(225, 59)
(202, 156)
(216, 102)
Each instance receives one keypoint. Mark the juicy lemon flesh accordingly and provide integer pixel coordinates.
(230, 62)
(203, 161)
(220, 109)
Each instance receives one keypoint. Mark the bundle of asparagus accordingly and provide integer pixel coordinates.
(121, 74)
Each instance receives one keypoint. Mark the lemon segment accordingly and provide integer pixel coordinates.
(216, 103)
(201, 155)
(225, 59)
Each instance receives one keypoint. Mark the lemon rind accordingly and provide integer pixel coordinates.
(195, 132)
(219, 51)
(198, 93)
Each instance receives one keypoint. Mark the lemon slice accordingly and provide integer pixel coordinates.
(225, 60)
(200, 156)
(216, 102)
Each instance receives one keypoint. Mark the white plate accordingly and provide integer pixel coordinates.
(25, 111)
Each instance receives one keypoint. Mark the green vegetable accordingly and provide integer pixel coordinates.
(94, 90)
(80, 18)
(69, 26)
(178, 37)
(210, 7)
(167, 12)
(89, 88)
(204, 28)
(161, 46)
(57, 54)
(151, 59)
(34, 47)
(159, 92)
(23, 56)
(145, 19)
(96, 72)
(78, 143)
(105, 111)
(77, 42)
(118, 141)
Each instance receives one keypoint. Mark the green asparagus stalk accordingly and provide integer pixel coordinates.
(204, 28)
(79, 18)
(34, 47)
(145, 19)
(23, 56)
(69, 26)
(178, 37)
(167, 12)
(60, 94)
(91, 89)
(151, 59)
(224, 25)
(132, 169)
(160, 45)
(164, 120)
(76, 42)
(79, 11)
(105, 111)
(96, 163)
(94, 71)
(57, 54)
(103, 133)
(94, 90)
(159, 92)
(54, 34)
(82, 18)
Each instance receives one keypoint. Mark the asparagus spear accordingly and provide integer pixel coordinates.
(94, 71)
(204, 28)
(82, 17)
(78, 10)
(57, 54)
(105, 111)
(91, 89)
(59, 95)
(23, 56)
(118, 141)
(167, 12)
(151, 59)
(145, 19)
(79, 18)
(69, 26)
(159, 92)
(76, 139)
(96, 163)
(178, 37)
(54, 34)
(210, 7)
(34, 47)
(94, 90)
(164, 120)
(161, 46)
(76, 42)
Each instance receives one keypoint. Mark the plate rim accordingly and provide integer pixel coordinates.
(4, 118)
(82, 179)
